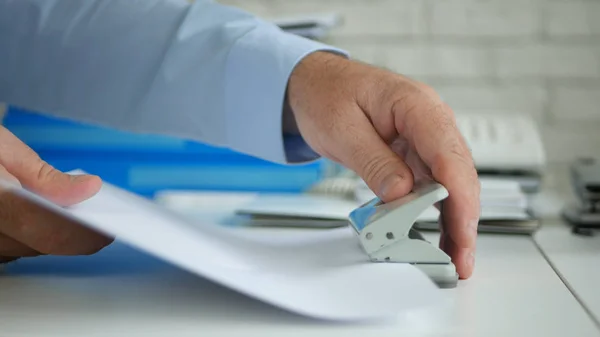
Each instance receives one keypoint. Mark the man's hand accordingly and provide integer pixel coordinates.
(27, 230)
(393, 132)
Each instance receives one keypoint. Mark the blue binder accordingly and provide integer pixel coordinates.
(145, 164)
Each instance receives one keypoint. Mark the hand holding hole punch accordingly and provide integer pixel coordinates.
(29, 230)
(393, 132)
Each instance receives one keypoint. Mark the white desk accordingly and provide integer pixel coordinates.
(121, 292)
(576, 259)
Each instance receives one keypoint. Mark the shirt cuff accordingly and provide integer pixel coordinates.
(258, 69)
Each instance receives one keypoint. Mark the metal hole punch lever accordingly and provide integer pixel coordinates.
(386, 233)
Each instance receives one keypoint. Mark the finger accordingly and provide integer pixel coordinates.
(6, 176)
(431, 127)
(45, 231)
(12, 248)
(7, 259)
(40, 177)
(421, 172)
(361, 149)
(462, 258)
(442, 148)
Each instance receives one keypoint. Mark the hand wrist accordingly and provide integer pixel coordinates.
(304, 80)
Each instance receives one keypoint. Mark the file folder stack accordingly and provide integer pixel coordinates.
(505, 208)
(145, 164)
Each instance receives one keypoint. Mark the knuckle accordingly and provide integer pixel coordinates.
(45, 171)
(404, 107)
(377, 168)
(458, 151)
(428, 90)
(454, 153)
(374, 169)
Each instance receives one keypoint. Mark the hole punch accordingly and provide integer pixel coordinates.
(386, 233)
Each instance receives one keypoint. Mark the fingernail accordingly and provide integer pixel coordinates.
(471, 259)
(388, 184)
(76, 178)
(473, 225)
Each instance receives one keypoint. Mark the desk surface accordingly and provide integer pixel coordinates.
(576, 259)
(120, 291)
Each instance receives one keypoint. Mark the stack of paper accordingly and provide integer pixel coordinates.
(504, 208)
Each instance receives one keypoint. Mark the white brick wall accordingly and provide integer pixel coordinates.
(438, 60)
(508, 18)
(576, 103)
(364, 18)
(494, 98)
(548, 61)
(572, 18)
(540, 57)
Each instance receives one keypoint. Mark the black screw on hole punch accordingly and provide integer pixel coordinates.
(390, 236)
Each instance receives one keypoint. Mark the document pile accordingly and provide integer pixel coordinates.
(504, 207)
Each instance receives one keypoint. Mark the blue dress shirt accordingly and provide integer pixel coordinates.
(197, 70)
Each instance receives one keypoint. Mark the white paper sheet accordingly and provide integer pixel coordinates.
(321, 274)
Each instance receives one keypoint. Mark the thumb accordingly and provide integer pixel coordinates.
(41, 178)
(61, 188)
(386, 174)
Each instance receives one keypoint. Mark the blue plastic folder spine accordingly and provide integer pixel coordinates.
(49, 133)
(145, 164)
(146, 175)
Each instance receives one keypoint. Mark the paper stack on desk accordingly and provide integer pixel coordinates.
(504, 209)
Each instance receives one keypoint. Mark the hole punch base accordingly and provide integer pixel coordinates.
(387, 235)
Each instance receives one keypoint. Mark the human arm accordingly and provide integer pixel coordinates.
(200, 70)
(388, 128)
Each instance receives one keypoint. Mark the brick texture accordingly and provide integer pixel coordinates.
(494, 98)
(434, 60)
(485, 18)
(362, 18)
(576, 103)
(548, 60)
(572, 18)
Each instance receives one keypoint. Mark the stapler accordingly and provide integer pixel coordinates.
(585, 179)
(386, 233)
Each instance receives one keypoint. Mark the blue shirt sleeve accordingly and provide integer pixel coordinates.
(197, 70)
